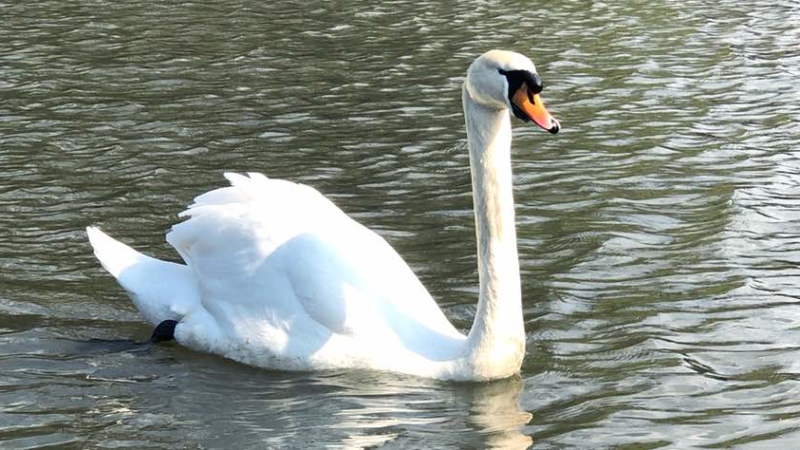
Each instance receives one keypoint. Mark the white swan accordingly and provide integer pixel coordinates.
(277, 276)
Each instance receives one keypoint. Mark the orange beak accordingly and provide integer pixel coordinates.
(533, 107)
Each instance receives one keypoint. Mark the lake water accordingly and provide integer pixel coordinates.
(659, 233)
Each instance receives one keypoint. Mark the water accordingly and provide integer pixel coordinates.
(658, 233)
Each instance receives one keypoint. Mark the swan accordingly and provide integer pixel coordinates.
(277, 276)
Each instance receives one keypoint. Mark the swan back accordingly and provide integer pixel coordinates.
(284, 270)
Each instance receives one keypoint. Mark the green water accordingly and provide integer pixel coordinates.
(658, 233)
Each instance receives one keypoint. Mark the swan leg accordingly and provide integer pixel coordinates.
(165, 331)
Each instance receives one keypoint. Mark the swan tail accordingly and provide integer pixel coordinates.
(161, 290)
(114, 256)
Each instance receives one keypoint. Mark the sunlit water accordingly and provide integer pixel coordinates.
(658, 233)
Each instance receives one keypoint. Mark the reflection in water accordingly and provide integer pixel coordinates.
(352, 410)
(159, 389)
(381, 408)
(497, 416)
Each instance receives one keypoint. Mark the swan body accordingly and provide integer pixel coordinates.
(276, 276)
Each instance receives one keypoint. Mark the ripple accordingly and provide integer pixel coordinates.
(657, 233)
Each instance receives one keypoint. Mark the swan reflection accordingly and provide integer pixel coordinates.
(358, 410)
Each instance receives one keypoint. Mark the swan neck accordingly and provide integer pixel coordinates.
(497, 337)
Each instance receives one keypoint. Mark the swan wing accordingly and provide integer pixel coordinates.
(279, 258)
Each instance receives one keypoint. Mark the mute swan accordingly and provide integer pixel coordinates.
(277, 276)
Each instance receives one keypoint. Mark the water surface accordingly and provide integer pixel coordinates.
(658, 233)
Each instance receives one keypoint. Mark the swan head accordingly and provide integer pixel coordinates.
(508, 80)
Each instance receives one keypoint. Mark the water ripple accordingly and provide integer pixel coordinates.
(657, 234)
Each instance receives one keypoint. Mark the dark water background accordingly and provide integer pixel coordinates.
(659, 235)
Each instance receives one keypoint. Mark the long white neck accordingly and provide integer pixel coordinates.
(496, 342)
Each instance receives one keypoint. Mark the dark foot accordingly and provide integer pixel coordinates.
(165, 331)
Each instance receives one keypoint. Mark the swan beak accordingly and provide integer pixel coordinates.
(533, 107)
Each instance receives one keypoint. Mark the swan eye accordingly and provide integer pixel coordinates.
(515, 79)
